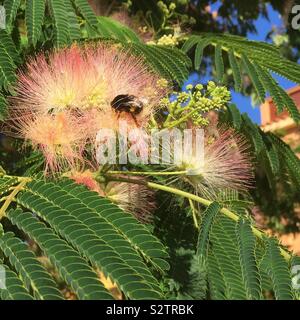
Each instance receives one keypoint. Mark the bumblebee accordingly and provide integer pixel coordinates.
(129, 104)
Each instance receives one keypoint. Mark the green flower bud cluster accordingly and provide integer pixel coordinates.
(185, 19)
(165, 9)
(182, 2)
(172, 6)
(192, 20)
(168, 40)
(194, 104)
(128, 4)
(162, 83)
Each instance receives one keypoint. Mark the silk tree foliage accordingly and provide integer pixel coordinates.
(195, 248)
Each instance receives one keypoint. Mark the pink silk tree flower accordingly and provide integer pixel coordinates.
(65, 97)
(58, 137)
(84, 78)
(225, 164)
(87, 179)
(54, 83)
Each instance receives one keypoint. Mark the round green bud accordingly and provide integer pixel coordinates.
(172, 6)
(199, 86)
(192, 20)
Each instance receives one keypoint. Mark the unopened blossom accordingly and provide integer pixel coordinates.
(134, 198)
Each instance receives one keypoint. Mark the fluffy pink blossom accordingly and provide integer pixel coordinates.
(86, 178)
(56, 82)
(84, 78)
(226, 164)
(75, 87)
(56, 136)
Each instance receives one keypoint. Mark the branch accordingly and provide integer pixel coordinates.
(11, 197)
(259, 234)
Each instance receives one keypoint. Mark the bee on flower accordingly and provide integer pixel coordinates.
(79, 91)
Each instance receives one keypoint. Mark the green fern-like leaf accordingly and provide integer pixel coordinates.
(291, 160)
(231, 199)
(199, 54)
(190, 43)
(236, 70)
(34, 16)
(280, 97)
(14, 287)
(141, 239)
(253, 133)
(273, 157)
(7, 63)
(205, 227)
(259, 60)
(73, 21)
(242, 267)
(71, 266)
(8, 45)
(290, 105)
(216, 282)
(3, 107)
(278, 270)
(87, 12)
(171, 63)
(235, 116)
(254, 76)
(112, 29)
(32, 164)
(58, 9)
(225, 254)
(81, 217)
(11, 8)
(271, 86)
(197, 286)
(6, 183)
(219, 63)
(246, 242)
(31, 271)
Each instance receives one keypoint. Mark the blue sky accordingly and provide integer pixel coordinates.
(263, 26)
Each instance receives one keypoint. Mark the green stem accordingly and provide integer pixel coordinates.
(259, 234)
(170, 124)
(127, 180)
(227, 50)
(148, 173)
(11, 197)
(194, 212)
(181, 120)
(181, 193)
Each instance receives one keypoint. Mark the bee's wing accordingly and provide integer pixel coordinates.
(122, 98)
